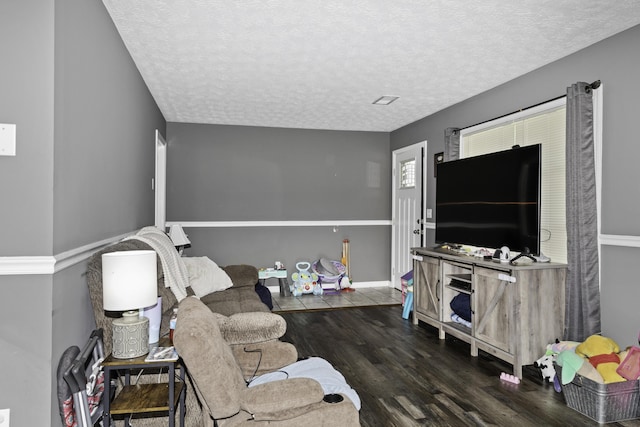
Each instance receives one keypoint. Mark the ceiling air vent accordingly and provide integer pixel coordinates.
(385, 100)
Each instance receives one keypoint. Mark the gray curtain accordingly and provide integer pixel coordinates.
(582, 305)
(451, 144)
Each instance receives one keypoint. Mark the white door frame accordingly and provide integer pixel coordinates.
(423, 204)
(160, 182)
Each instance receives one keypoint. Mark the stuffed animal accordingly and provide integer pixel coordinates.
(305, 282)
(560, 346)
(573, 364)
(602, 353)
(545, 364)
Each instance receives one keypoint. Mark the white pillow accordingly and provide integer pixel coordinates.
(205, 276)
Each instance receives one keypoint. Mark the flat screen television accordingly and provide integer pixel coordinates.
(490, 201)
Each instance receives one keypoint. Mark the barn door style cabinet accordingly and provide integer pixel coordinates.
(515, 310)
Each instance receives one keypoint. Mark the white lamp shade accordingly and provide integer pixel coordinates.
(129, 280)
(178, 237)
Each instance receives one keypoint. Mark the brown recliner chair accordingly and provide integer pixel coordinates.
(223, 392)
(240, 329)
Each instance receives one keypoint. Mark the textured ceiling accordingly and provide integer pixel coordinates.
(320, 64)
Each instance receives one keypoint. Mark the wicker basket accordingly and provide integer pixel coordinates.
(604, 403)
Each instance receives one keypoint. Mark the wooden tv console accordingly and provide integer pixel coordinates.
(516, 309)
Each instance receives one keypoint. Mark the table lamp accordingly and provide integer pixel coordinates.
(179, 238)
(129, 283)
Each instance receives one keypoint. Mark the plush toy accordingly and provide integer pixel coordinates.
(573, 364)
(560, 346)
(602, 353)
(305, 282)
(545, 364)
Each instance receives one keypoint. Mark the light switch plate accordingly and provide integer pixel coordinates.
(4, 417)
(7, 145)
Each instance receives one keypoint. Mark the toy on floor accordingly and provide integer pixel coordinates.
(345, 285)
(304, 281)
(545, 363)
(330, 273)
(408, 304)
(509, 378)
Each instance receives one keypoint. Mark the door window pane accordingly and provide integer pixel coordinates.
(408, 174)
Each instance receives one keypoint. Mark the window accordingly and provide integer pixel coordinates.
(408, 174)
(544, 124)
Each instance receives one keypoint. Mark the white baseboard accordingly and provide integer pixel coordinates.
(376, 284)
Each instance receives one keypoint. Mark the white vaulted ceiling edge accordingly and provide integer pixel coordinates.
(321, 64)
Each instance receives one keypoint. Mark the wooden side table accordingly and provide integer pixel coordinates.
(144, 398)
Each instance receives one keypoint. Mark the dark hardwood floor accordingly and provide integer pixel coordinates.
(406, 376)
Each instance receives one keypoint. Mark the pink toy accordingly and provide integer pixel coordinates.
(509, 378)
(630, 366)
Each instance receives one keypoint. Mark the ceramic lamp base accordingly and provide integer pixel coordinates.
(130, 336)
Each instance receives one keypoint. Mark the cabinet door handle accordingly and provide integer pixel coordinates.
(506, 278)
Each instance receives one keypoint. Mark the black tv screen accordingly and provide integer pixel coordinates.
(490, 201)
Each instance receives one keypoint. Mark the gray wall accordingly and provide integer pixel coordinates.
(27, 200)
(616, 62)
(237, 173)
(85, 160)
(27, 100)
(82, 173)
(105, 121)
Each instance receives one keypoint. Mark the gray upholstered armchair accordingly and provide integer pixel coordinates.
(220, 381)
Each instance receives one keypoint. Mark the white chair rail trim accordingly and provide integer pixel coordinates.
(614, 240)
(27, 265)
(233, 224)
(30, 265)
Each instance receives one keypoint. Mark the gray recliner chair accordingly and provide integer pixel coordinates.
(222, 388)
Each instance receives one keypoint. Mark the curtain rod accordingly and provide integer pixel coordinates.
(594, 85)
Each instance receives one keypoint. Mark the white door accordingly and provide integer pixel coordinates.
(408, 196)
(160, 186)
